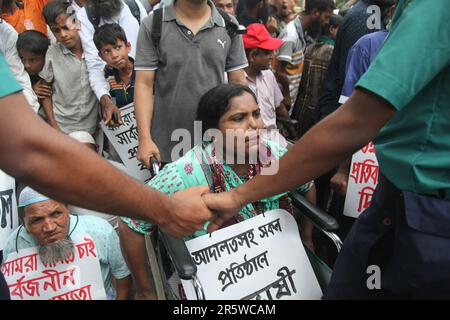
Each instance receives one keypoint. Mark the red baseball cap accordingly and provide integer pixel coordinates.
(257, 36)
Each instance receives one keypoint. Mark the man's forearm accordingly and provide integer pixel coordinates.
(123, 288)
(47, 105)
(237, 77)
(143, 106)
(41, 157)
(332, 140)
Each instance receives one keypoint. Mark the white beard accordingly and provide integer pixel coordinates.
(57, 251)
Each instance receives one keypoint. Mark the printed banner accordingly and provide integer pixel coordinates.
(78, 278)
(125, 140)
(362, 181)
(258, 259)
(9, 219)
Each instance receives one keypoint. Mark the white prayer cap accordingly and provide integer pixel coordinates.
(82, 136)
(29, 196)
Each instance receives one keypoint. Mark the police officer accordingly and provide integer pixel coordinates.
(403, 101)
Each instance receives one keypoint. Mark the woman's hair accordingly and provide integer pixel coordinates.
(216, 102)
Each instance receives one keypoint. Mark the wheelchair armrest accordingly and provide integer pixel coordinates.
(287, 121)
(313, 213)
(181, 258)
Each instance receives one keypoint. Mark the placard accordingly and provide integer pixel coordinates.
(362, 181)
(260, 258)
(78, 278)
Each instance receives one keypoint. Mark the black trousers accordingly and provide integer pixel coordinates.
(405, 235)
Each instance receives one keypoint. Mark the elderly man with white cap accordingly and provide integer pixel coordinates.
(48, 225)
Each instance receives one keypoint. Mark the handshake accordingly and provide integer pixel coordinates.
(188, 210)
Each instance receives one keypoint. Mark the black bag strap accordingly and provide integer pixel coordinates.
(157, 27)
(134, 8)
(233, 27)
(230, 25)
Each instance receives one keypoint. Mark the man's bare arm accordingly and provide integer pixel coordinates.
(65, 170)
(143, 106)
(238, 77)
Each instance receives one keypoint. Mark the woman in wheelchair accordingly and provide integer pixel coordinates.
(231, 110)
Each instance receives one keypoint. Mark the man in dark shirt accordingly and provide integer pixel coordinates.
(355, 25)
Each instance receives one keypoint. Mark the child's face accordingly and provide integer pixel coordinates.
(33, 63)
(65, 31)
(116, 55)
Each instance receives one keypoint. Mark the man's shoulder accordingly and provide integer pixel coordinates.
(372, 37)
(10, 244)
(96, 225)
(54, 49)
(82, 15)
(6, 30)
(289, 32)
(15, 242)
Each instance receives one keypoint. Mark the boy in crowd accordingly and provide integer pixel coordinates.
(73, 106)
(32, 46)
(259, 47)
(114, 49)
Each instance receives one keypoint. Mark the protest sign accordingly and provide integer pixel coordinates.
(125, 140)
(78, 278)
(9, 219)
(362, 181)
(260, 258)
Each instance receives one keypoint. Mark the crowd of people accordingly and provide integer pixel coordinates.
(275, 70)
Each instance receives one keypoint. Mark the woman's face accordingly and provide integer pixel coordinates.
(240, 127)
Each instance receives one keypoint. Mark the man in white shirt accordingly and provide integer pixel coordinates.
(8, 39)
(109, 11)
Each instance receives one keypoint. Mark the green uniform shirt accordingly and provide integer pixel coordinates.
(8, 84)
(412, 73)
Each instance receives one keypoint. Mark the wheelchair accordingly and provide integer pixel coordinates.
(168, 255)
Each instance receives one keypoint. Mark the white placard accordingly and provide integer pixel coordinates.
(125, 140)
(78, 278)
(362, 181)
(9, 219)
(260, 258)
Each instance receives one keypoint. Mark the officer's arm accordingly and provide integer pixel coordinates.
(333, 139)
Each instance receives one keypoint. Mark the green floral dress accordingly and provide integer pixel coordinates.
(188, 172)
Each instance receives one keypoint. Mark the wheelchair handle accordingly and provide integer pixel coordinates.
(154, 166)
(182, 260)
(314, 213)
